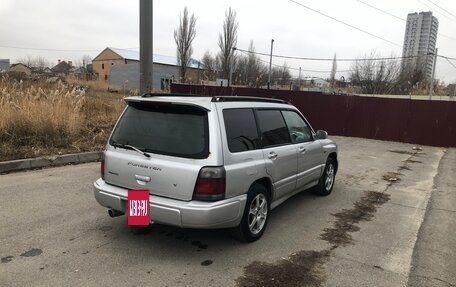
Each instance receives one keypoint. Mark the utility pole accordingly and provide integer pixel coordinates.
(198, 78)
(299, 79)
(270, 64)
(434, 63)
(231, 72)
(145, 45)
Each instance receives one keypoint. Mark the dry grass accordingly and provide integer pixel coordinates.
(40, 118)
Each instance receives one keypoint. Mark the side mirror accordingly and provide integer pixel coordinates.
(321, 135)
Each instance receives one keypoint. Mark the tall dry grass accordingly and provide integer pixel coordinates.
(40, 118)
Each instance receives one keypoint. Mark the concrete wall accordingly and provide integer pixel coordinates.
(4, 65)
(403, 120)
(130, 72)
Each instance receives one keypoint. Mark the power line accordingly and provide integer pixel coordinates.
(448, 59)
(345, 59)
(345, 23)
(295, 69)
(451, 63)
(443, 9)
(46, 49)
(291, 68)
(57, 50)
(445, 57)
(443, 35)
(383, 11)
(302, 70)
(451, 19)
(399, 18)
(331, 59)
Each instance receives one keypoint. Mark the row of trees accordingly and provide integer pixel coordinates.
(370, 76)
(39, 63)
(244, 69)
(386, 76)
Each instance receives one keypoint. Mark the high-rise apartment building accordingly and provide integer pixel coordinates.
(419, 40)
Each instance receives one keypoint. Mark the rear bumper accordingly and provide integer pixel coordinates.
(191, 214)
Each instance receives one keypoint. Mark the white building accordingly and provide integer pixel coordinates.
(419, 40)
(315, 82)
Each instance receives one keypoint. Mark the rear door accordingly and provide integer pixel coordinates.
(171, 142)
(279, 153)
(243, 160)
(310, 151)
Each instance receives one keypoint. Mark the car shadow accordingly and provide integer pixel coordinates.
(184, 243)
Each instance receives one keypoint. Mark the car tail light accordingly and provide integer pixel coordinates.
(102, 168)
(210, 185)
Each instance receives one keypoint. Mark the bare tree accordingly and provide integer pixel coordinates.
(83, 62)
(227, 41)
(184, 37)
(281, 75)
(410, 78)
(240, 73)
(210, 66)
(255, 70)
(375, 77)
(39, 63)
(249, 69)
(332, 76)
(285, 74)
(86, 60)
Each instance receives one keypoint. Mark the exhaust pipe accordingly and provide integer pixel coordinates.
(114, 213)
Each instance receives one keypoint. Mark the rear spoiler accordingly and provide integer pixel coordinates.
(204, 105)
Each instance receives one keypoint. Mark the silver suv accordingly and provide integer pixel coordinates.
(213, 162)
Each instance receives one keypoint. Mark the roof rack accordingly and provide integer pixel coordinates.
(147, 95)
(220, 98)
(246, 99)
(150, 95)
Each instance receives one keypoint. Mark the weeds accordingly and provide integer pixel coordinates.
(40, 118)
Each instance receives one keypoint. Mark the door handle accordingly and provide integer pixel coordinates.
(142, 178)
(272, 155)
(302, 149)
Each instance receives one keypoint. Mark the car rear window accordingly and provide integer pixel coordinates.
(168, 129)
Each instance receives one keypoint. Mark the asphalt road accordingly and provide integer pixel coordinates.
(389, 222)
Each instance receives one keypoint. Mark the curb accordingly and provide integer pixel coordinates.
(49, 161)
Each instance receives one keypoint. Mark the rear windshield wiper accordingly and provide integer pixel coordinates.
(130, 147)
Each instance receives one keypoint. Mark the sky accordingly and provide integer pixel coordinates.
(68, 30)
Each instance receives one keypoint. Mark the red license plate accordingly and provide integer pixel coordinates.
(138, 209)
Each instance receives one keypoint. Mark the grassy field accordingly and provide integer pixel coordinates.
(38, 118)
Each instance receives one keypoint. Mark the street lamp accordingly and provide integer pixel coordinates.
(270, 63)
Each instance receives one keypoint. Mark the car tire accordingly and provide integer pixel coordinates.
(256, 214)
(326, 182)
